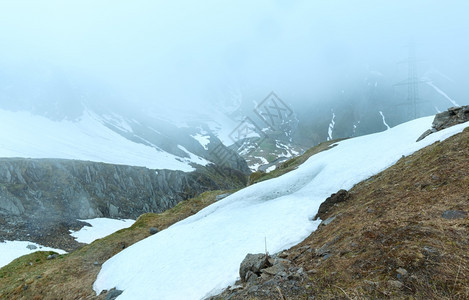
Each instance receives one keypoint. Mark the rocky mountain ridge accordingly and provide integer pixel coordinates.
(40, 199)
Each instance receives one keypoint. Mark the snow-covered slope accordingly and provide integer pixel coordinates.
(100, 227)
(23, 134)
(201, 254)
(11, 250)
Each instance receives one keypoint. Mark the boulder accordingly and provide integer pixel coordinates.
(113, 294)
(254, 263)
(451, 117)
(31, 247)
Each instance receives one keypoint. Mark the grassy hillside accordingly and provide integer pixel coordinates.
(391, 239)
(71, 276)
(403, 234)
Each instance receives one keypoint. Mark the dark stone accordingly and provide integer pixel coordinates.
(340, 196)
(113, 294)
(323, 251)
(402, 273)
(425, 134)
(31, 247)
(254, 263)
(430, 251)
(394, 284)
(222, 196)
(153, 230)
(454, 214)
(251, 277)
(274, 270)
(328, 221)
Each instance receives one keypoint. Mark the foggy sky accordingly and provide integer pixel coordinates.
(195, 52)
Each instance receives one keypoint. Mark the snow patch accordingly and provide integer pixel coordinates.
(194, 158)
(23, 134)
(331, 127)
(384, 120)
(11, 250)
(100, 227)
(439, 91)
(204, 140)
(118, 122)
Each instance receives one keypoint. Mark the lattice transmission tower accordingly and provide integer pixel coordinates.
(413, 83)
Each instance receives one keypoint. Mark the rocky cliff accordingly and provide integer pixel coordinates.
(41, 198)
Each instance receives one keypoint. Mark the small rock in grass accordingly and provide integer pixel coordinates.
(453, 214)
(222, 196)
(402, 271)
(395, 284)
(153, 230)
(328, 221)
(52, 256)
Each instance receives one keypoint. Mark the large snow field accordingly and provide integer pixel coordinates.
(200, 255)
(23, 134)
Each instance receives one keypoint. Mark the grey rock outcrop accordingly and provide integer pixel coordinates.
(113, 294)
(37, 195)
(451, 117)
(267, 277)
(253, 263)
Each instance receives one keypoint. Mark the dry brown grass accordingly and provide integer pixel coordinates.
(71, 276)
(394, 221)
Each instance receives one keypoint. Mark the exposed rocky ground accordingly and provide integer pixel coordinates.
(41, 199)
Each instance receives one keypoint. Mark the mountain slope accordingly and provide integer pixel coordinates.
(277, 211)
(26, 135)
(71, 276)
(402, 234)
(41, 199)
